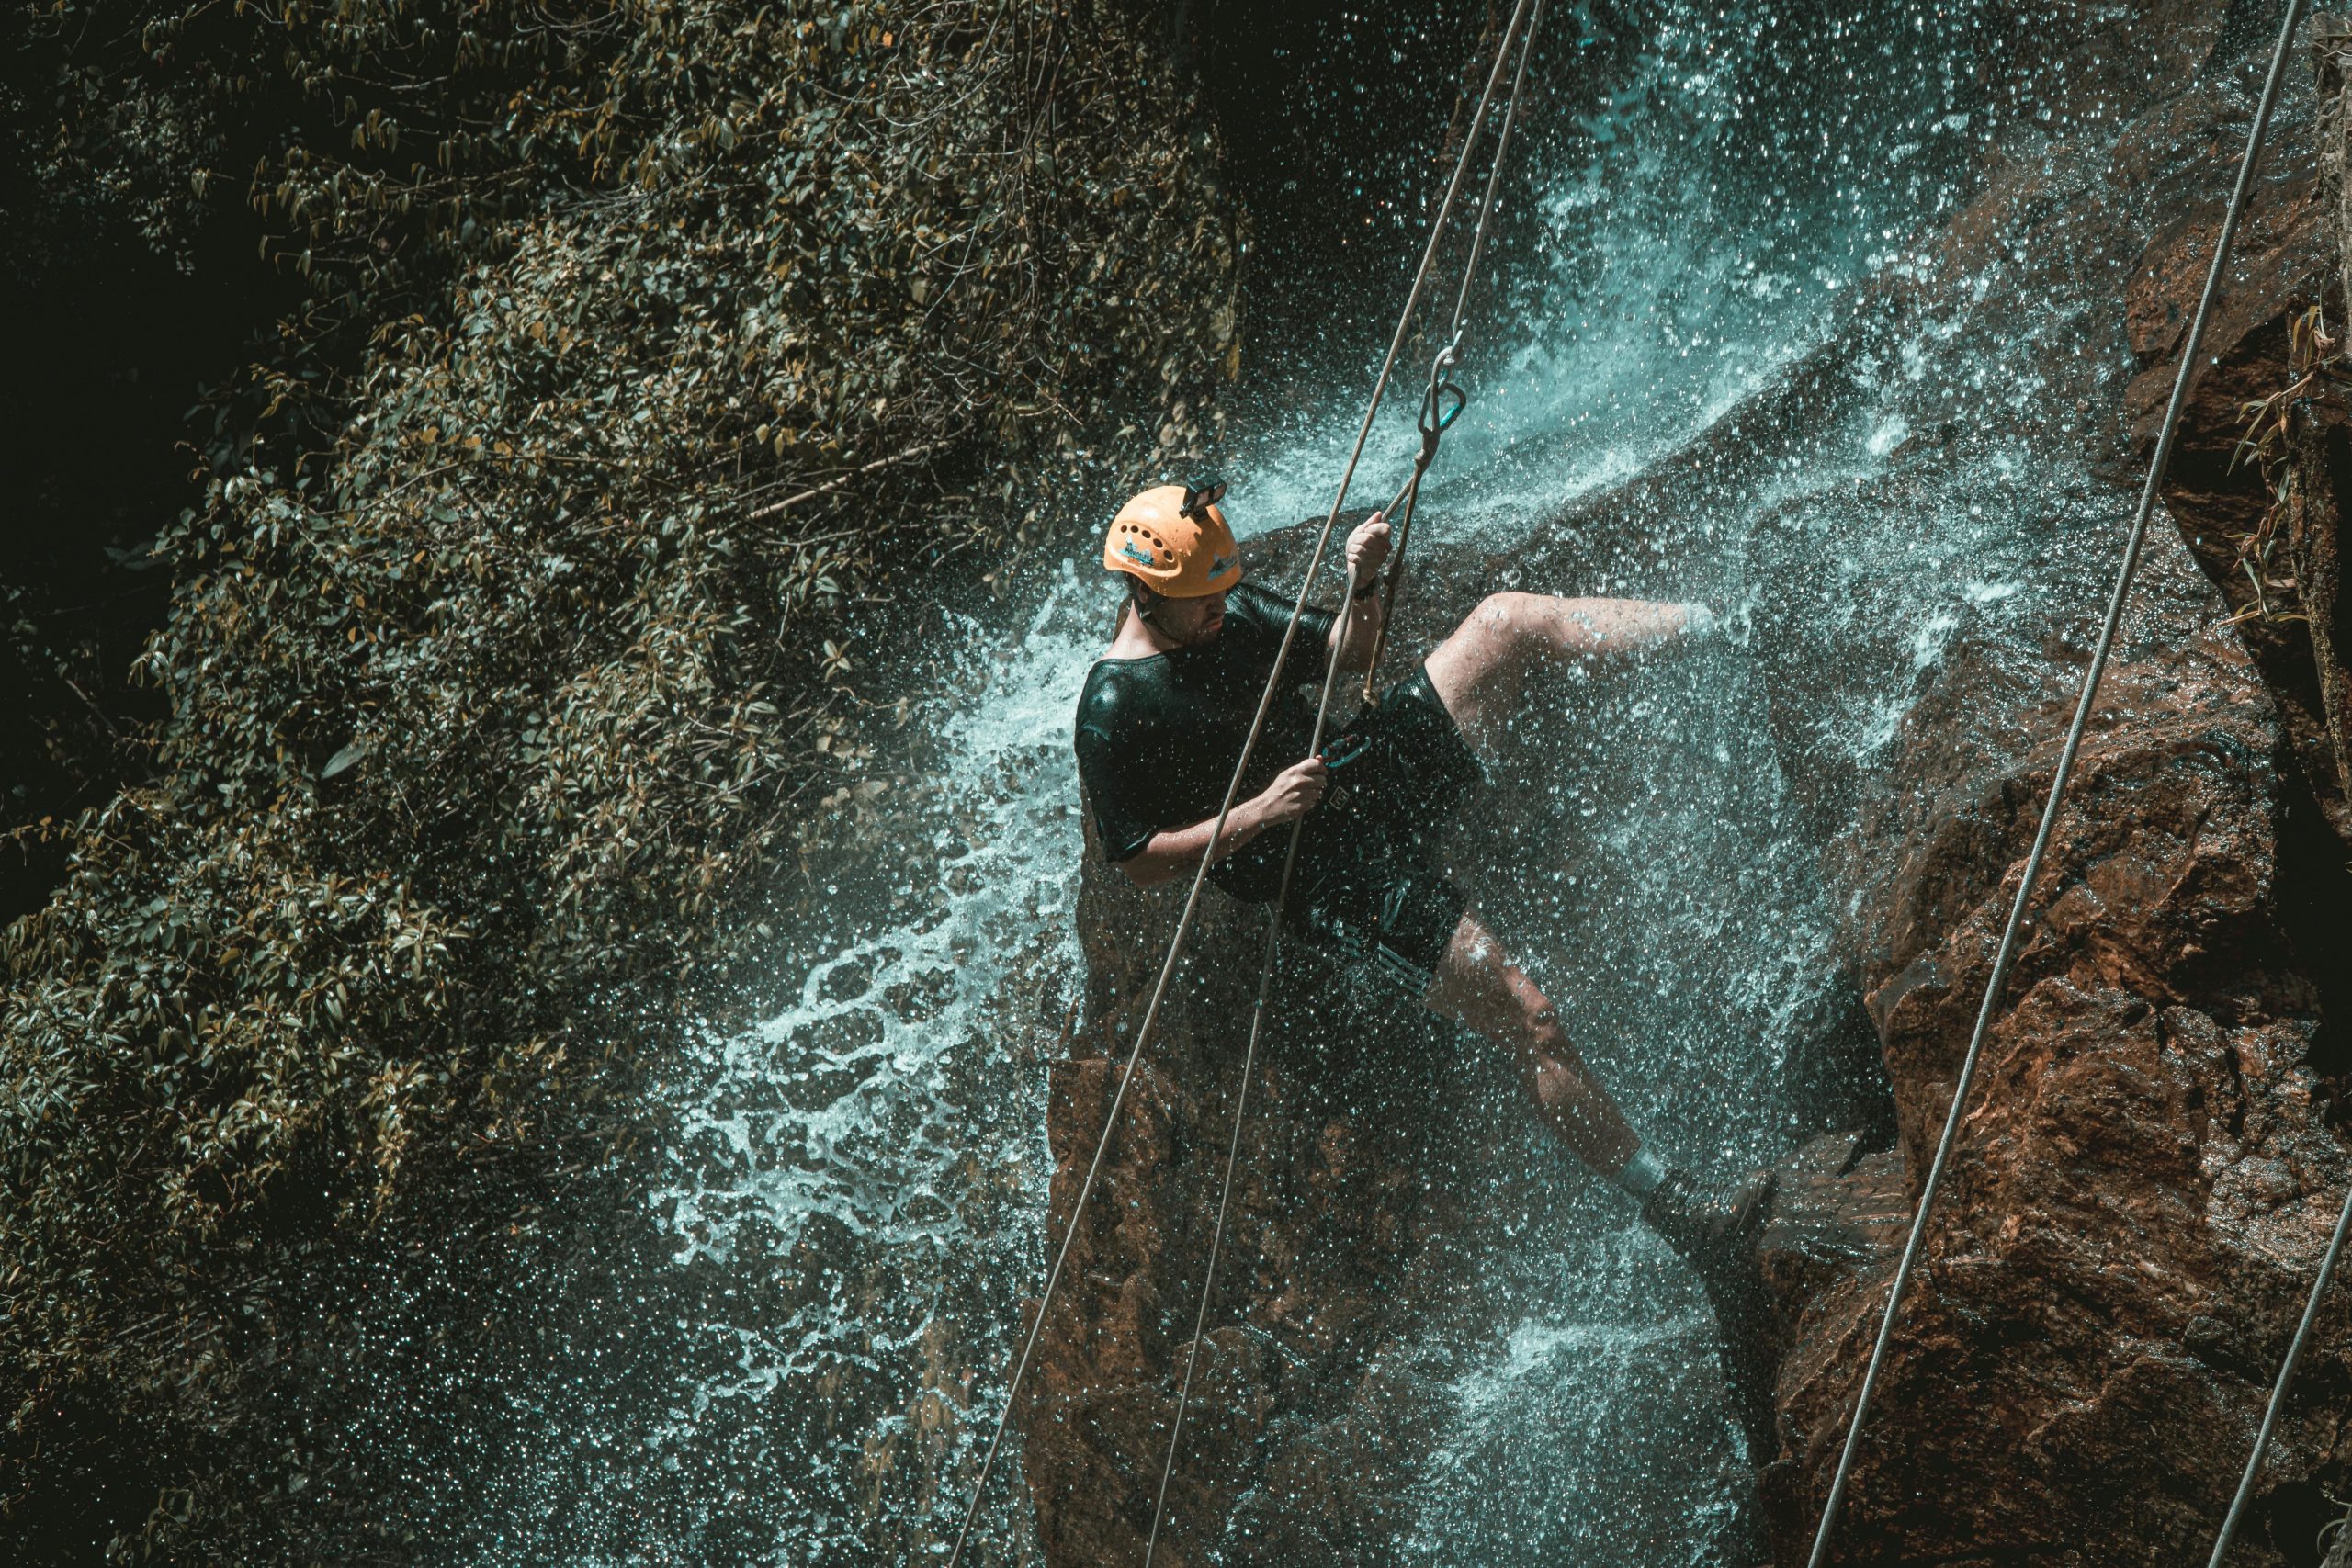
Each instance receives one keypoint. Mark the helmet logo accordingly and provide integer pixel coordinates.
(1220, 565)
(1127, 548)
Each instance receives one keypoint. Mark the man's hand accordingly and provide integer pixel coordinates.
(1293, 793)
(1367, 547)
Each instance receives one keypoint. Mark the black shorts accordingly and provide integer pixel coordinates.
(1368, 885)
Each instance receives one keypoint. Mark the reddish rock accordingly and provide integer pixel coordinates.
(2156, 1146)
(1327, 1254)
(2217, 495)
(2144, 1184)
(2155, 1149)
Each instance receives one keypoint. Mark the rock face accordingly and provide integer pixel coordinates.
(2141, 1192)
(2157, 1146)
(2155, 1155)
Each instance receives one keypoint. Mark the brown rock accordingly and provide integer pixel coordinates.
(1332, 1209)
(2146, 1171)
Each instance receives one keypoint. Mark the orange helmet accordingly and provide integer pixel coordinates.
(1175, 540)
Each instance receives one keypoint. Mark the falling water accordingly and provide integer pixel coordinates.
(857, 1186)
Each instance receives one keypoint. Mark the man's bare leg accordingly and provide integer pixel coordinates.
(1480, 675)
(1480, 672)
(1477, 984)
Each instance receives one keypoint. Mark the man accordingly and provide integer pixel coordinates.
(1162, 723)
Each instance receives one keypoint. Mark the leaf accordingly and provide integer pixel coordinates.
(344, 760)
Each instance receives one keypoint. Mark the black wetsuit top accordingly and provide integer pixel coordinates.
(1157, 737)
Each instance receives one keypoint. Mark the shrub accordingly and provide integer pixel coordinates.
(507, 640)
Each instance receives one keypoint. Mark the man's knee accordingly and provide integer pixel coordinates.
(1489, 641)
(1538, 1018)
(1507, 612)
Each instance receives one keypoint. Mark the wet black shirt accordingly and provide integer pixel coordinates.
(1157, 737)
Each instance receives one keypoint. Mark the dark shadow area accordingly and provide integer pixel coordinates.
(1335, 122)
(72, 1486)
(110, 347)
(2294, 1516)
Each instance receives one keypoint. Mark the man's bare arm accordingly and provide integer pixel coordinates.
(1177, 850)
(1361, 626)
(1358, 627)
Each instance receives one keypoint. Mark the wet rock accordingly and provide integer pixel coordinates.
(2144, 1181)
(2155, 1148)
(2281, 268)
(1327, 1253)
(2141, 1189)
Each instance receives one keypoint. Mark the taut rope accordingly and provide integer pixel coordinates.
(1434, 417)
(1232, 791)
(2278, 1389)
(1432, 425)
(1998, 983)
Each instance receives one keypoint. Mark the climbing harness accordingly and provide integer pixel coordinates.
(1997, 984)
(1348, 750)
(1521, 17)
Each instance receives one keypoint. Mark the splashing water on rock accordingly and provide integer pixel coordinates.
(1720, 369)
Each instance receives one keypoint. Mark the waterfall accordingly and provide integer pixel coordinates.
(858, 1185)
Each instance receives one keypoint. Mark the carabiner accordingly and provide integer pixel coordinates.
(1443, 422)
(1344, 748)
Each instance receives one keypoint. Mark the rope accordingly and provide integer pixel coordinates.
(1432, 423)
(1241, 1106)
(2007, 954)
(1225, 809)
(2278, 1389)
(1432, 427)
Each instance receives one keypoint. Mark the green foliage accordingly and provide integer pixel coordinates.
(499, 663)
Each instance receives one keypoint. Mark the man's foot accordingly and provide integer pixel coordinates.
(1716, 1230)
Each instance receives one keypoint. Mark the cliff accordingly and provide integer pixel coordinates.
(2157, 1147)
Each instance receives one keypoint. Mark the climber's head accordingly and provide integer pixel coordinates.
(1179, 559)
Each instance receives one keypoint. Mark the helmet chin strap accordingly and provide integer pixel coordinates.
(1147, 610)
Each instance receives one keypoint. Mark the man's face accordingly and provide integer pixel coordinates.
(1191, 623)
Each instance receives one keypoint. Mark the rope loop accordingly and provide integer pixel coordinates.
(1435, 418)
